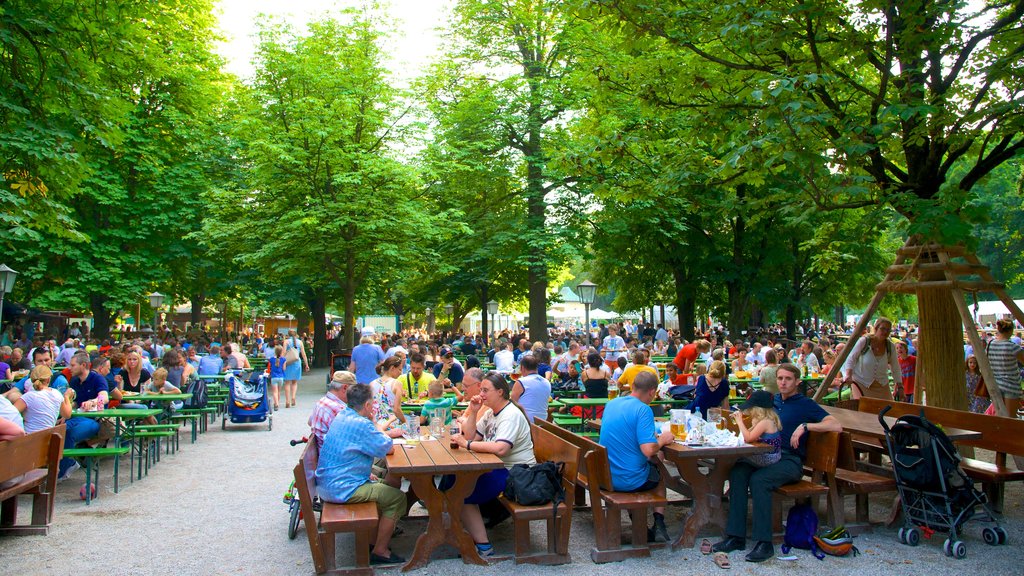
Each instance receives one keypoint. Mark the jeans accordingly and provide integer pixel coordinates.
(759, 482)
(79, 429)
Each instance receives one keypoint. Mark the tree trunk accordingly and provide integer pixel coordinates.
(101, 317)
(686, 302)
(318, 309)
(348, 340)
(791, 321)
(483, 313)
(940, 365)
(198, 300)
(302, 320)
(840, 315)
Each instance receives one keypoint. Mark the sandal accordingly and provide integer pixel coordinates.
(722, 560)
(705, 546)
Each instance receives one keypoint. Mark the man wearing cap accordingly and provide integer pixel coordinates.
(448, 368)
(327, 408)
(799, 416)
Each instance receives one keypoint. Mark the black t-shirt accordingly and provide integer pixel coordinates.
(140, 384)
(468, 347)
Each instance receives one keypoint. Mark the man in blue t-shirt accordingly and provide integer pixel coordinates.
(799, 415)
(365, 358)
(212, 363)
(629, 433)
(450, 366)
(88, 385)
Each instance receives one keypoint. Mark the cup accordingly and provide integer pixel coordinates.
(677, 423)
(436, 427)
(715, 417)
(411, 431)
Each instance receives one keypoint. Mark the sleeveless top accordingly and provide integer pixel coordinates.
(596, 387)
(774, 440)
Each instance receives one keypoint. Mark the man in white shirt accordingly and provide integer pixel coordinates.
(398, 347)
(504, 360)
(612, 347)
(756, 354)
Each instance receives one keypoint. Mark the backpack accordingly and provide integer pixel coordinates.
(801, 528)
(683, 391)
(536, 485)
(197, 388)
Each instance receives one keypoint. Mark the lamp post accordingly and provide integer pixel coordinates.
(156, 300)
(587, 291)
(7, 278)
(492, 308)
(448, 309)
(429, 311)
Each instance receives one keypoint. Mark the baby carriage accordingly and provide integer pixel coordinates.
(247, 400)
(935, 493)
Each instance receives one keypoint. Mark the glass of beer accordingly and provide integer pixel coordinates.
(677, 423)
(715, 417)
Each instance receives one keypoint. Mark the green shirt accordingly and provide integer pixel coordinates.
(433, 403)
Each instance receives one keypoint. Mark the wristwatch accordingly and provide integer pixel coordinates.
(805, 427)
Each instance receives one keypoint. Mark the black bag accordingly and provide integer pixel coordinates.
(683, 392)
(197, 388)
(536, 485)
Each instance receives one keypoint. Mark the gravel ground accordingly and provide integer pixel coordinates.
(215, 508)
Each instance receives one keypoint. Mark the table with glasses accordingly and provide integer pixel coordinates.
(420, 463)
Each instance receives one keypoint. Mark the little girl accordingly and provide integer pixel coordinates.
(765, 427)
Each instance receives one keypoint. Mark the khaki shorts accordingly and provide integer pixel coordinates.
(390, 501)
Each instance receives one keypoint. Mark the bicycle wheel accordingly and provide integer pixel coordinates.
(293, 522)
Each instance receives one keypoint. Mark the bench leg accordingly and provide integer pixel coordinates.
(364, 539)
(9, 511)
(117, 469)
(330, 557)
(521, 535)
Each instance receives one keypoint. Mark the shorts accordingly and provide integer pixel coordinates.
(488, 486)
(277, 381)
(390, 501)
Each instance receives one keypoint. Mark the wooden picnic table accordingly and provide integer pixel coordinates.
(708, 489)
(867, 424)
(420, 463)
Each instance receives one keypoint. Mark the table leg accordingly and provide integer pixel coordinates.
(707, 497)
(438, 504)
(117, 457)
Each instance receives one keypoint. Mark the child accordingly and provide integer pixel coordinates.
(276, 365)
(765, 427)
(620, 368)
(159, 385)
(435, 400)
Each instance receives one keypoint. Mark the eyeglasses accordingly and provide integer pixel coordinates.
(486, 390)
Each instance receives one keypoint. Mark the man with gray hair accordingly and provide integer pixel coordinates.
(328, 407)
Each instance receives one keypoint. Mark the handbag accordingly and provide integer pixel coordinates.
(292, 354)
(980, 390)
(536, 485)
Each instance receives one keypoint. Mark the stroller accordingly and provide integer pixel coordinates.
(935, 493)
(247, 400)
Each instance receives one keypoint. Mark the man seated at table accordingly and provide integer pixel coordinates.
(532, 390)
(212, 363)
(88, 386)
(328, 407)
(41, 357)
(629, 433)
(504, 359)
(799, 416)
(639, 366)
(449, 368)
(416, 381)
(344, 475)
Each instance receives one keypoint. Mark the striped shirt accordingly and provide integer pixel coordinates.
(1002, 355)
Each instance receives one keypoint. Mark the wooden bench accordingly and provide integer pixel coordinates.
(30, 467)
(361, 519)
(822, 456)
(999, 434)
(607, 505)
(850, 480)
(547, 447)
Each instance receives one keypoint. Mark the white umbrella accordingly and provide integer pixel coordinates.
(599, 314)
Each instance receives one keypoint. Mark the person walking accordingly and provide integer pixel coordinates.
(295, 363)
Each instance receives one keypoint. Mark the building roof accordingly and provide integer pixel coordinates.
(568, 295)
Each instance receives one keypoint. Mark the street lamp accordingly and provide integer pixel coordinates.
(492, 308)
(7, 278)
(429, 310)
(587, 291)
(156, 300)
(448, 309)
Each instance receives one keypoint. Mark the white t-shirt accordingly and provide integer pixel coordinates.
(510, 426)
(9, 412)
(504, 361)
(536, 391)
(43, 409)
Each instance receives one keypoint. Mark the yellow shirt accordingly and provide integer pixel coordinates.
(413, 387)
(626, 379)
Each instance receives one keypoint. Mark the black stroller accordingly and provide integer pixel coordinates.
(935, 493)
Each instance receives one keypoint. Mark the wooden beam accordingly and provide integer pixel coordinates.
(912, 286)
(858, 330)
(956, 267)
(914, 251)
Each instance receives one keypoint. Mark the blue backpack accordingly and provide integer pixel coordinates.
(801, 528)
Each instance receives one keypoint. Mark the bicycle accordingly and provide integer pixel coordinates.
(291, 498)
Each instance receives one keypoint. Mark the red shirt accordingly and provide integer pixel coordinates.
(687, 354)
(908, 366)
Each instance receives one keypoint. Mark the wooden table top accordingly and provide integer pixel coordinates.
(437, 457)
(867, 424)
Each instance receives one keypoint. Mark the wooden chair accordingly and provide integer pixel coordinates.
(359, 518)
(547, 448)
(822, 456)
(30, 467)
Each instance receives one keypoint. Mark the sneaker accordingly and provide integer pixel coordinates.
(485, 550)
(393, 559)
(71, 470)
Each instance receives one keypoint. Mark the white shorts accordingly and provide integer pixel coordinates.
(277, 381)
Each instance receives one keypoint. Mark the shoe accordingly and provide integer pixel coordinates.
(761, 552)
(661, 532)
(485, 552)
(276, 407)
(393, 559)
(730, 544)
(71, 470)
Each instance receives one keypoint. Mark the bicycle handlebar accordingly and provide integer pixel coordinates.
(294, 442)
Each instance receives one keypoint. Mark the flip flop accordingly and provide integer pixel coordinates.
(705, 546)
(722, 560)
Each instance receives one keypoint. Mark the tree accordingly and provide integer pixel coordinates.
(873, 103)
(321, 136)
(528, 50)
